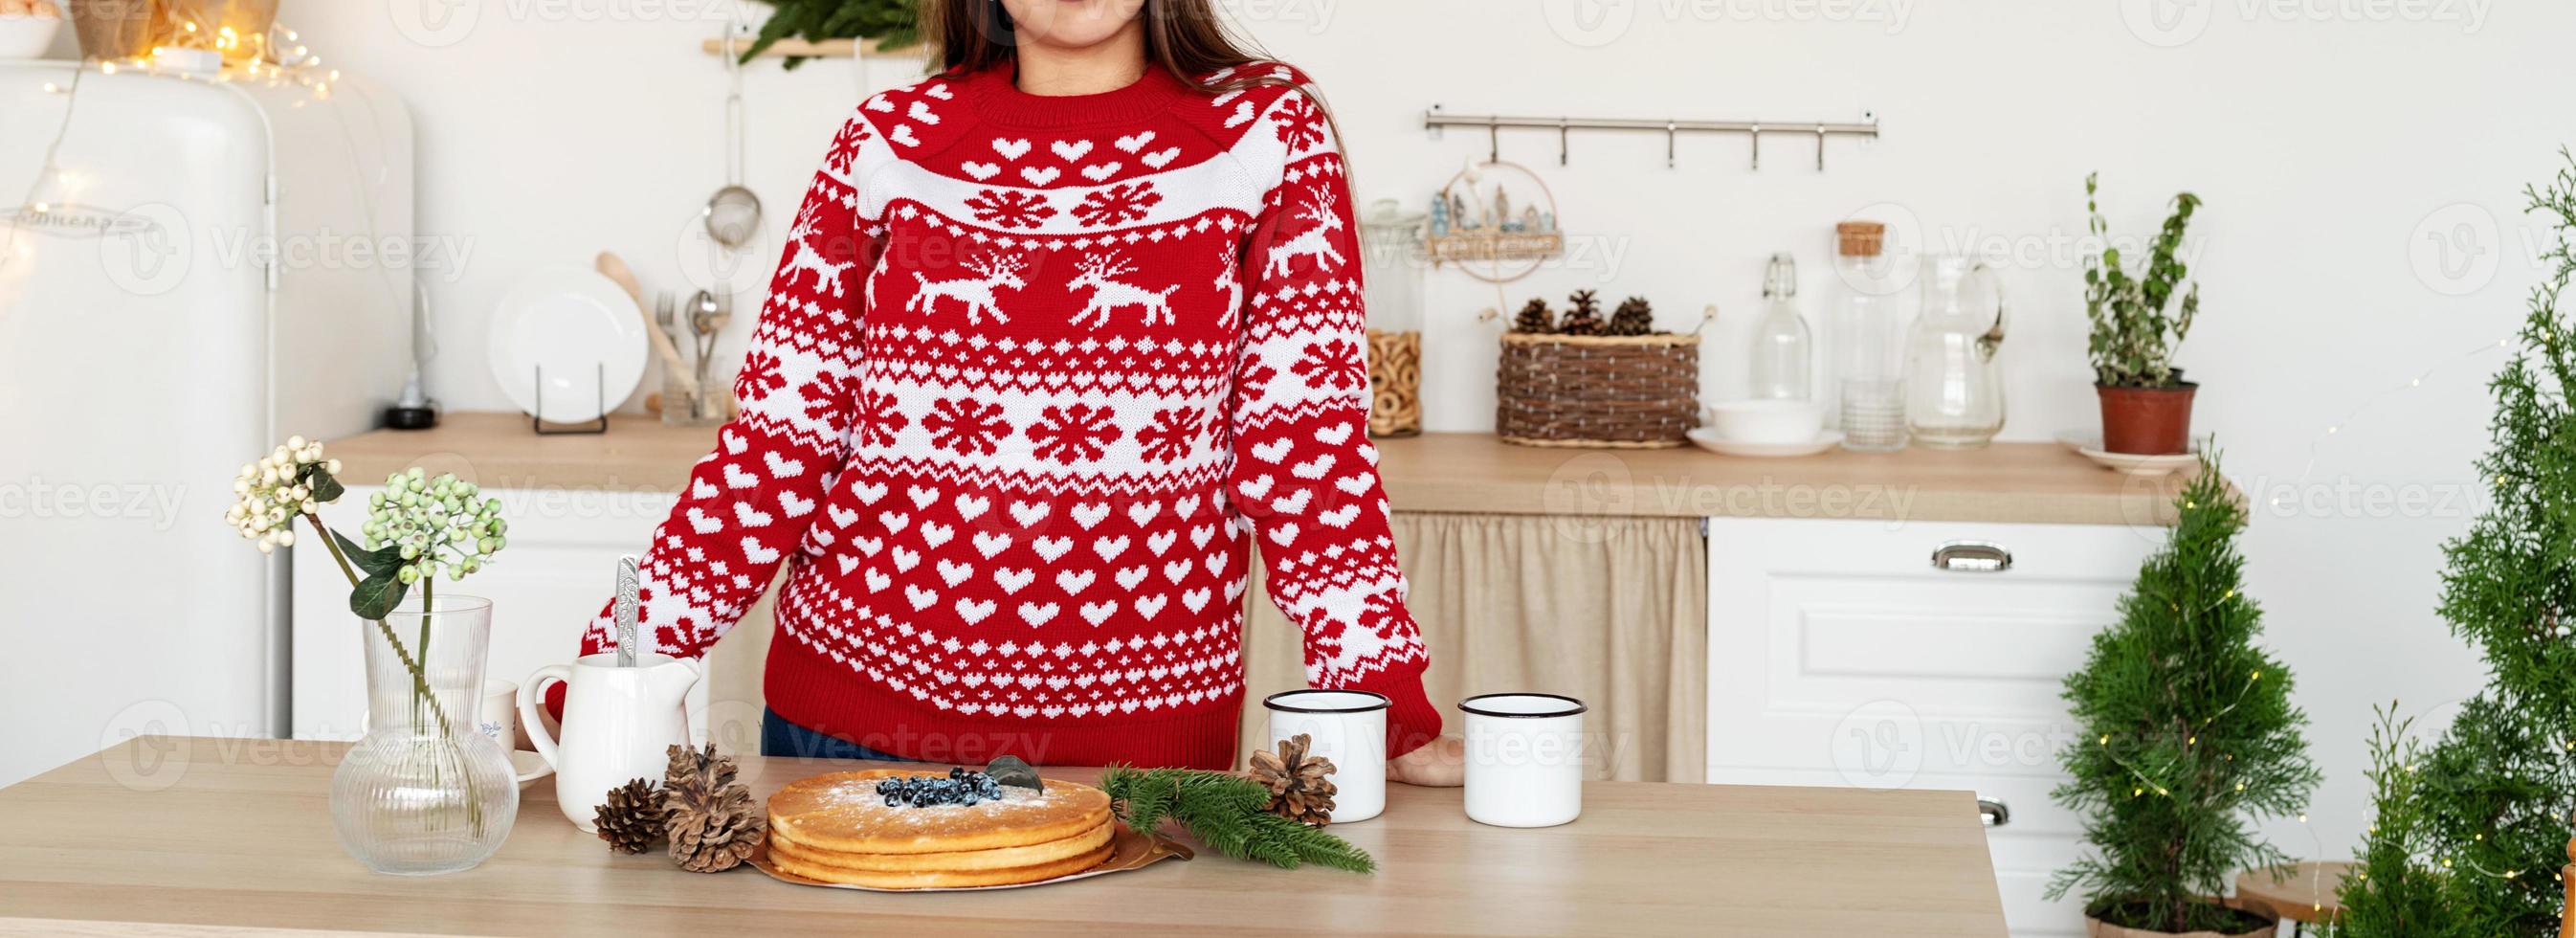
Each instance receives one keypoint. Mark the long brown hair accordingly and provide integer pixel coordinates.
(1186, 37)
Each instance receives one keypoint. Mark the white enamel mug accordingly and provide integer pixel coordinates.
(1524, 759)
(1347, 727)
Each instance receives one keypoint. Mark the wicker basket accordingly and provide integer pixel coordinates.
(1605, 391)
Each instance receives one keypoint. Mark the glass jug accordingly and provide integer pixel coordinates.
(1954, 398)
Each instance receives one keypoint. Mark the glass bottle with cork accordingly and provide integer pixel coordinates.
(1868, 345)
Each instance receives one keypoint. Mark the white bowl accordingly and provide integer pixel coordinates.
(1766, 421)
(27, 37)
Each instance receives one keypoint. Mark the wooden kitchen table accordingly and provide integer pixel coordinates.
(232, 835)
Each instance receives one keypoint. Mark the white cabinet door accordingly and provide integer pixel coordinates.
(559, 568)
(1840, 654)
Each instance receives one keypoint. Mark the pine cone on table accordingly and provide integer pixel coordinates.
(712, 820)
(632, 817)
(1300, 787)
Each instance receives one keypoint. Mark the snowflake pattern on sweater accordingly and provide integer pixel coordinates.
(1034, 376)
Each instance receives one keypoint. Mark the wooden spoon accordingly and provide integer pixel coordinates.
(615, 268)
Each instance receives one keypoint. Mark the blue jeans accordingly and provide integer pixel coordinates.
(778, 737)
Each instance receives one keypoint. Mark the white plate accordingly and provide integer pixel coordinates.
(2090, 447)
(529, 767)
(581, 329)
(1708, 440)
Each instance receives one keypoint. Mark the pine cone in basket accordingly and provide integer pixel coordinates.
(1584, 318)
(1634, 317)
(712, 820)
(1300, 789)
(631, 819)
(1535, 318)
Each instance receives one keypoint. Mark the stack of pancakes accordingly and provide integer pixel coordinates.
(835, 828)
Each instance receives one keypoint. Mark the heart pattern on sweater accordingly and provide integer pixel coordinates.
(942, 462)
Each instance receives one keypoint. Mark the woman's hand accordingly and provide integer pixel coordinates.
(1440, 763)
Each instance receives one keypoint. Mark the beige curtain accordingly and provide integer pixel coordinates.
(1610, 610)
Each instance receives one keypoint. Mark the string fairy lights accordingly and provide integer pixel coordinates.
(220, 55)
(2316, 443)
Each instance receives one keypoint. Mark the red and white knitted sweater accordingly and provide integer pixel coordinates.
(1032, 376)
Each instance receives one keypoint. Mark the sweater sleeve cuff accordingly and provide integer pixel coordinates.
(1411, 719)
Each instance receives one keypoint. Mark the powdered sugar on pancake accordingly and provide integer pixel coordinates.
(846, 806)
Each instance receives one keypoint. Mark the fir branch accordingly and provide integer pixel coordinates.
(1225, 812)
(891, 23)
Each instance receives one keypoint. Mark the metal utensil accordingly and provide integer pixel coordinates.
(706, 316)
(627, 600)
(732, 215)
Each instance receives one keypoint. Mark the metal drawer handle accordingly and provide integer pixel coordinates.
(1996, 813)
(1972, 557)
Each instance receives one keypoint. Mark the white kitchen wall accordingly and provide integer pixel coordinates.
(2362, 162)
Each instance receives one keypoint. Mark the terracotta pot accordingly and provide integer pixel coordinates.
(2258, 922)
(2147, 421)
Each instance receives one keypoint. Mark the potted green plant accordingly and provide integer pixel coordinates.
(2137, 322)
(2187, 735)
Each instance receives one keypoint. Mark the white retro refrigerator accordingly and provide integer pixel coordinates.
(204, 268)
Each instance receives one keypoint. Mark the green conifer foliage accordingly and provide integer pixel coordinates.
(2189, 736)
(2470, 832)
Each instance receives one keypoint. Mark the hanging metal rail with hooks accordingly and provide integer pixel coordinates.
(1866, 127)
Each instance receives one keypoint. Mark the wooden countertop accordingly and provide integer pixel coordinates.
(1435, 472)
(221, 833)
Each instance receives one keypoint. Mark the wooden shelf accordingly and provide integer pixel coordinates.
(1435, 472)
(827, 49)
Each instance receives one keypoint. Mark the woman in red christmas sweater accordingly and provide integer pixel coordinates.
(1063, 332)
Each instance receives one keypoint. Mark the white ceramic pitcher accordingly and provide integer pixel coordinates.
(619, 724)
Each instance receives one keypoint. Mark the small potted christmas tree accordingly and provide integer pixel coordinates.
(2470, 829)
(2188, 735)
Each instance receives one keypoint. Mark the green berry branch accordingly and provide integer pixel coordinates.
(417, 528)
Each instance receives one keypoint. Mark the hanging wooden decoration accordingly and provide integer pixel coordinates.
(1495, 221)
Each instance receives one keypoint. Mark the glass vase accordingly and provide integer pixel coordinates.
(424, 791)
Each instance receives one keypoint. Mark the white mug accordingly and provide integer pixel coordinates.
(1524, 759)
(1347, 727)
(499, 719)
(618, 724)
